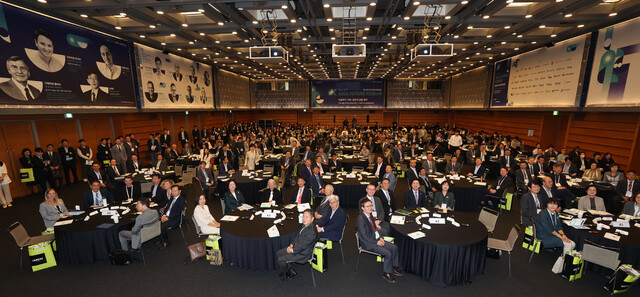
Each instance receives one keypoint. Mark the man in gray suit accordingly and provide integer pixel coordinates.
(18, 87)
(206, 178)
(119, 152)
(378, 210)
(300, 248)
(147, 217)
(453, 167)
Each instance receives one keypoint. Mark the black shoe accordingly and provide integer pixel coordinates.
(397, 272)
(388, 277)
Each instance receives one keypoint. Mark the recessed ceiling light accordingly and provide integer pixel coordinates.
(407, 18)
(553, 35)
(464, 2)
(284, 7)
(568, 15)
(185, 25)
(416, 2)
(326, 6)
(142, 36)
(42, 1)
(469, 27)
(369, 18)
(254, 22)
(152, 26)
(172, 35)
(613, 14)
(220, 23)
(160, 12)
(447, 17)
(489, 36)
(372, 4)
(118, 27)
(84, 15)
(293, 20)
(163, 43)
(485, 17)
(528, 16)
(329, 20)
(580, 26)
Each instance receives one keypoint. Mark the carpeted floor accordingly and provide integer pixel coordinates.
(166, 275)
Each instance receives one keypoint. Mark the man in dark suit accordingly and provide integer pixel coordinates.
(104, 152)
(119, 153)
(18, 86)
(157, 193)
(424, 181)
(302, 194)
(96, 174)
(53, 162)
(627, 189)
(371, 240)
(225, 168)
(523, 176)
(503, 183)
(471, 154)
(317, 185)
(183, 136)
(165, 139)
(300, 249)
(306, 171)
(379, 167)
(477, 170)
(95, 94)
(387, 197)
(68, 155)
(159, 164)
(195, 134)
(559, 179)
(95, 196)
(129, 190)
(331, 228)
(172, 214)
(151, 94)
(414, 197)
(130, 147)
(429, 164)
(133, 164)
(507, 161)
(453, 167)
(153, 146)
(114, 170)
(540, 167)
(205, 178)
(569, 168)
(397, 154)
(286, 166)
(308, 154)
(177, 76)
(567, 198)
(531, 203)
(335, 164)
(412, 171)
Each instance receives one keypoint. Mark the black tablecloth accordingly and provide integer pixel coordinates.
(248, 186)
(447, 255)
(629, 245)
(271, 161)
(348, 163)
(195, 162)
(350, 190)
(468, 196)
(246, 244)
(83, 243)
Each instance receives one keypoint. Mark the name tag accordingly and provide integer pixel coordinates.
(628, 194)
(498, 188)
(374, 214)
(538, 211)
(558, 185)
(377, 235)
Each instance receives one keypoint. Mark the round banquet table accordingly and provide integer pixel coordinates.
(468, 195)
(349, 163)
(629, 245)
(447, 255)
(281, 149)
(605, 191)
(188, 161)
(247, 185)
(246, 244)
(84, 243)
(269, 160)
(350, 190)
(346, 149)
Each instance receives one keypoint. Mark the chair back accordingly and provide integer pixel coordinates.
(149, 232)
(601, 255)
(222, 204)
(146, 187)
(357, 169)
(19, 233)
(346, 220)
(488, 217)
(268, 168)
(513, 237)
(403, 166)
(178, 170)
(195, 223)
(358, 241)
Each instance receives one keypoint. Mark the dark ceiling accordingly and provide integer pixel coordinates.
(221, 32)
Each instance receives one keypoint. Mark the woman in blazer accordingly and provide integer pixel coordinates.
(206, 222)
(585, 202)
(593, 173)
(52, 209)
(444, 196)
(232, 199)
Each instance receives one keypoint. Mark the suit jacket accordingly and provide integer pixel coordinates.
(161, 167)
(366, 234)
(87, 198)
(55, 160)
(10, 89)
(424, 181)
(410, 175)
(585, 204)
(161, 198)
(387, 205)
(305, 173)
(573, 170)
(337, 164)
(187, 151)
(451, 167)
(146, 218)
(306, 195)
(71, 155)
(545, 225)
(449, 199)
(92, 176)
(520, 181)
(121, 194)
(392, 180)
(623, 186)
(175, 213)
(430, 169)
(152, 97)
(224, 171)
(502, 184)
(104, 153)
(231, 203)
(559, 179)
(50, 214)
(291, 164)
(111, 173)
(118, 154)
(131, 167)
(512, 162)
(102, 98)
(317, 184)
(479, 173)
(266, 193)
(165, 140)
(536, 168)
(380, 172)
(410, 200)
(378, 209)
(543, 193)
(131, 149)
(528, 207)
(471, 155)
(629, 208)
(203, 175)
(333, 225)
(304, 243)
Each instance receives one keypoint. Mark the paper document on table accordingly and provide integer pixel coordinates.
(480, 183)
(416, 235)
(76, 212)
(303, 206)
(62, 223)
(290, 206)
(273, 231)
(612, 236)
(398, 220)
(246, 206)
(265, 205)
(599, 213)
(229, 218)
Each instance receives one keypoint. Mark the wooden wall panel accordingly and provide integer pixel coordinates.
(361, 117)
(604, 132)
(214, 119)
(507, 122)
(15, 136)
(411, 118)
(287, 117)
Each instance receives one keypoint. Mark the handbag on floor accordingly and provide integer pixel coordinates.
(215, 257)
(197, 251)
(120, 257)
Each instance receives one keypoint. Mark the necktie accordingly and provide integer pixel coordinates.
(630, 184)
(115, 168)
(415, 193)
(535, 197)
(93, 95)
(299, 200)
(507, 162)
(129, 194)
(553, 219)
(372, 225)
(27, 93)
(96, 199)
(318, 180)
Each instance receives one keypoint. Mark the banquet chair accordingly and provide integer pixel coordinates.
(268, 168)
(146, 187)
(23, 239)
(488, 217)
(357, 169)
(187, 178)
(308, 260)
(506, 245)
(600, 255)
(341, 238)
(537, 245)
(198, 230)
(182, 216)
(147, 233)
(361, 250)
(178, 170)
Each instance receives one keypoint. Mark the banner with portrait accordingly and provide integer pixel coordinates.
(49, 62)
(173, 82)
(616, 66)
